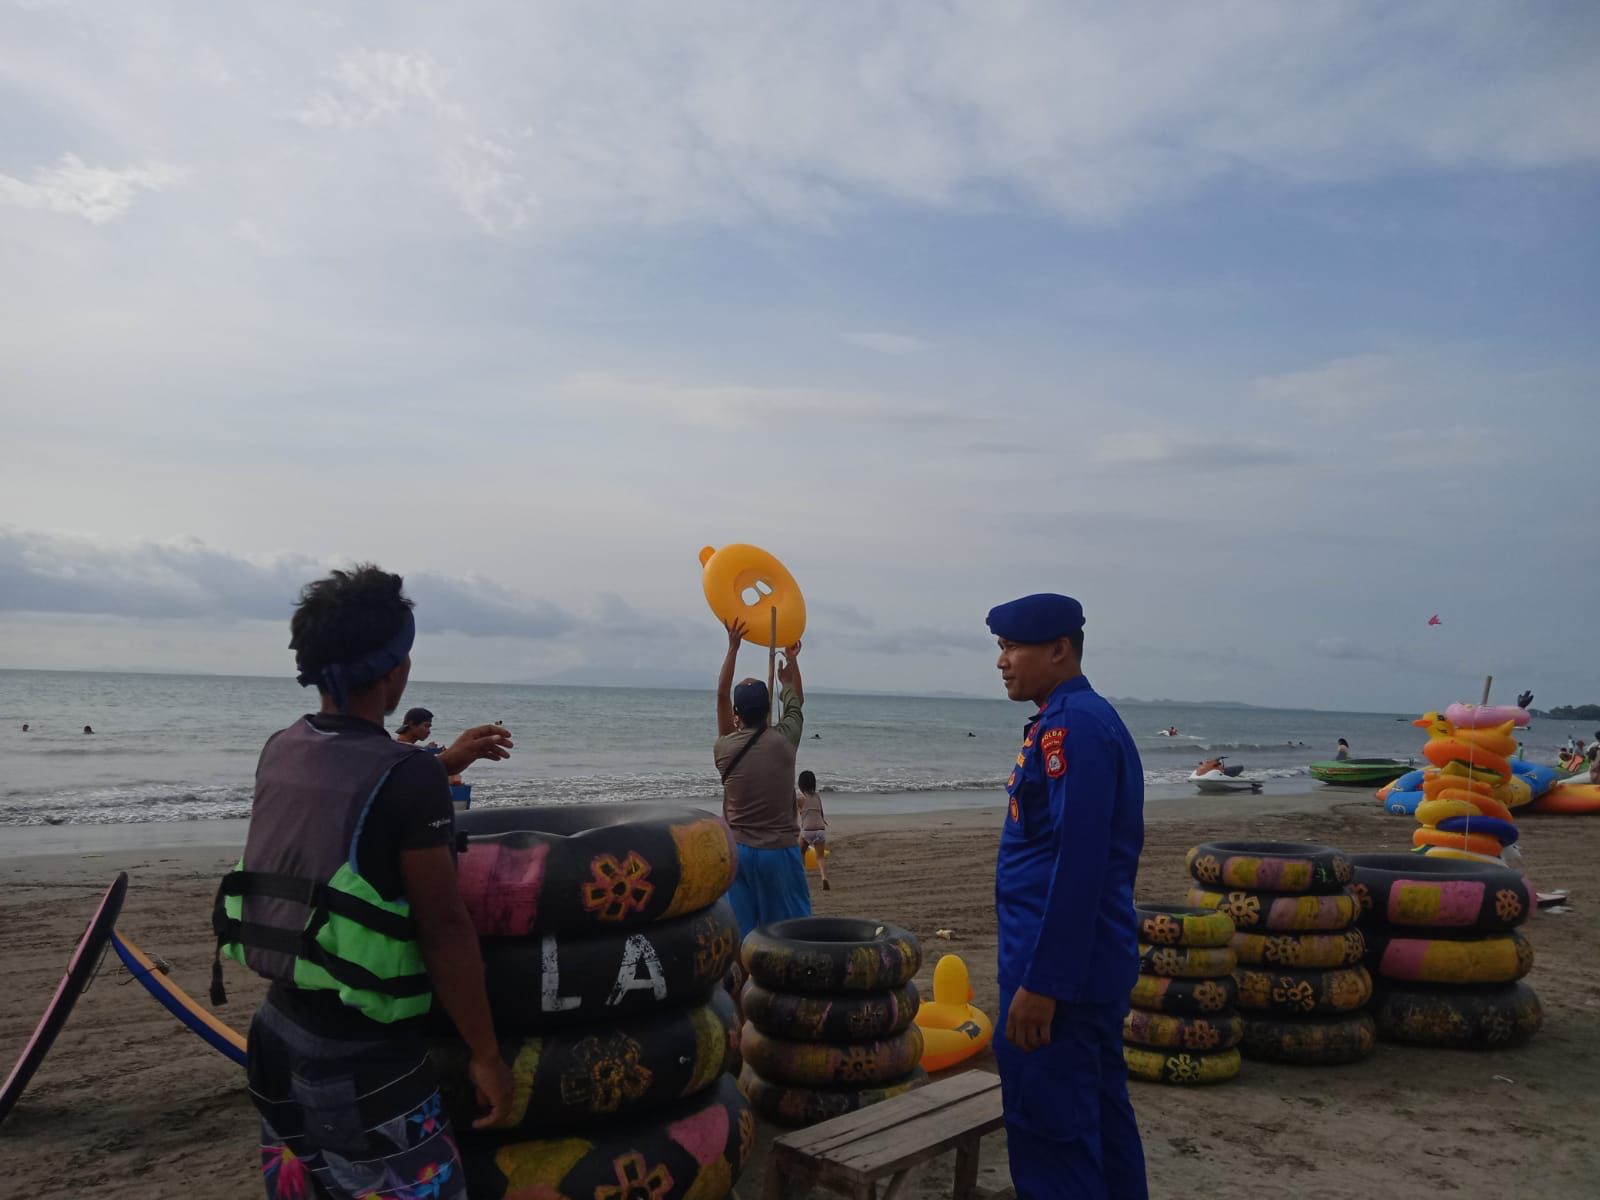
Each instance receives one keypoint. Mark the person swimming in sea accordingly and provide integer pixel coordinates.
(88, 728)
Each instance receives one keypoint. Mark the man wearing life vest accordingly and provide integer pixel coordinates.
(346, 899)
(1068, 939)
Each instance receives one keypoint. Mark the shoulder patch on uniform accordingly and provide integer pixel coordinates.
(1053, 751)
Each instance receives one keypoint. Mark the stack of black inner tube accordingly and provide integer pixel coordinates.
(1184, 1027)
(1443, 944)
(605, 940)
(1302, 989)
(829, 1008)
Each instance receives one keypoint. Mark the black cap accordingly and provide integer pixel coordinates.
(416, 716)
(751, 699)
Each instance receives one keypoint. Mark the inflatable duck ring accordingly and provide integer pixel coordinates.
(743, 582)
(952, 1029)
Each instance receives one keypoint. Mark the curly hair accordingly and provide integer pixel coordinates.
(346, 615)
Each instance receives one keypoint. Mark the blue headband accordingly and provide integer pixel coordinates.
(340, 679)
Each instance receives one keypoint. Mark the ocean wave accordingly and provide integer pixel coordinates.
(155, 802)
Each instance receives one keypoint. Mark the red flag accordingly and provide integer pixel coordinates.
(1434, 620)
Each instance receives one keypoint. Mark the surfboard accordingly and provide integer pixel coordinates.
(80, 969)
(217, 1034)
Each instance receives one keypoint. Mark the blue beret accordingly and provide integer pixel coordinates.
(1042, 617)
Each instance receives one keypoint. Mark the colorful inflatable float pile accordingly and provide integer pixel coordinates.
(1444, 948)
(1184, 1026)
(830, 1015)
(1302, 991)
(1463, 802)
(605, 939)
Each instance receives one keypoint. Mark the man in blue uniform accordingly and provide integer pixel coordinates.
(1069, 946)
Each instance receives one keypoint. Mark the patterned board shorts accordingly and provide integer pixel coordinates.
(348, 1120)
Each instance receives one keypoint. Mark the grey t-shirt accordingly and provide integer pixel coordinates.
(758, 796)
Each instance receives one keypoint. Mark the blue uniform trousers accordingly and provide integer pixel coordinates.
(1070, 1130)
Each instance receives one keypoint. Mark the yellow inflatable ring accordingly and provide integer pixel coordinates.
(1160, 1031)
(1182, 925)
(1501, 958)
(1437, 782)
(1431, 812)
(1300, 949)
(1478, 843)
(1464, 855)
(743, 582)
(1186, 962)
(952, 1029)
(1181, 1067)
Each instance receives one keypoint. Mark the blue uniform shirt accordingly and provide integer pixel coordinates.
(1063, 886)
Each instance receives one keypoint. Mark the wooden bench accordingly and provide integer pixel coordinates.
(852, 1153)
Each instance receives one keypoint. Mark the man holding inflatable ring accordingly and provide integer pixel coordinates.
(1068, 938)
(756, 764)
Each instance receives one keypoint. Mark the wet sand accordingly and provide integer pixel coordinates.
(130, 1104)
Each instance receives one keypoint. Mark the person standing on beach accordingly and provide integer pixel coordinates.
(813, 823)
(757, 768)
(346, 899)
(1068, 938)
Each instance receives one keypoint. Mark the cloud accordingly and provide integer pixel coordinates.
(47, 573)
(711, 111)
(1150, 449)
(97, 194)
(887, 343)
(736, 406)
(1337, 390)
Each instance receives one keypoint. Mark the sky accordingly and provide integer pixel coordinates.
(1268, 331)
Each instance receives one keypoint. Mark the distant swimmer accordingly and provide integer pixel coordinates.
(88, 729)
(816, 737)
(971, 734)
(24, 729)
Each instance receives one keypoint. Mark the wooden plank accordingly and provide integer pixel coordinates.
(829, 1135)
(914, 1142)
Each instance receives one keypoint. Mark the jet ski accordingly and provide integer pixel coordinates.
(1213, 775)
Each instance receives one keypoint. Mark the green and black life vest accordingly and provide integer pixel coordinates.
(296, 908)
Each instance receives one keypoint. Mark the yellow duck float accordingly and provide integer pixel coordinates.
(952, 1029)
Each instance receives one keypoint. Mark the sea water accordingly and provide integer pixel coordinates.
(174, 748)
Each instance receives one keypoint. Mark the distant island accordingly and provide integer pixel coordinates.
(1574, 712)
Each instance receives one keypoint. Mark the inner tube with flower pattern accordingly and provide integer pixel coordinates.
(1184, 997)
(785, 1104)
(590, 867)
(1287, 914)
(1412, 892)
(1498, 958)
(1270, 866)
(570, 1078)
(1182, 925)
(1285, 992)
(692, 1149)
(551, 979)
(1206, 1034)
(1321, 1043)
(840, 1017)
(1180, 1066)
(1186, 962)
(835, 1064)
(1301, 949)
(831, 954)
(1480, 1018)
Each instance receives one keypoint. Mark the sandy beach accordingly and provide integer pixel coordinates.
(130, 1104)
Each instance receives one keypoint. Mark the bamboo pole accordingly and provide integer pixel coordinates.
(772, 668)
(1487, 681)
